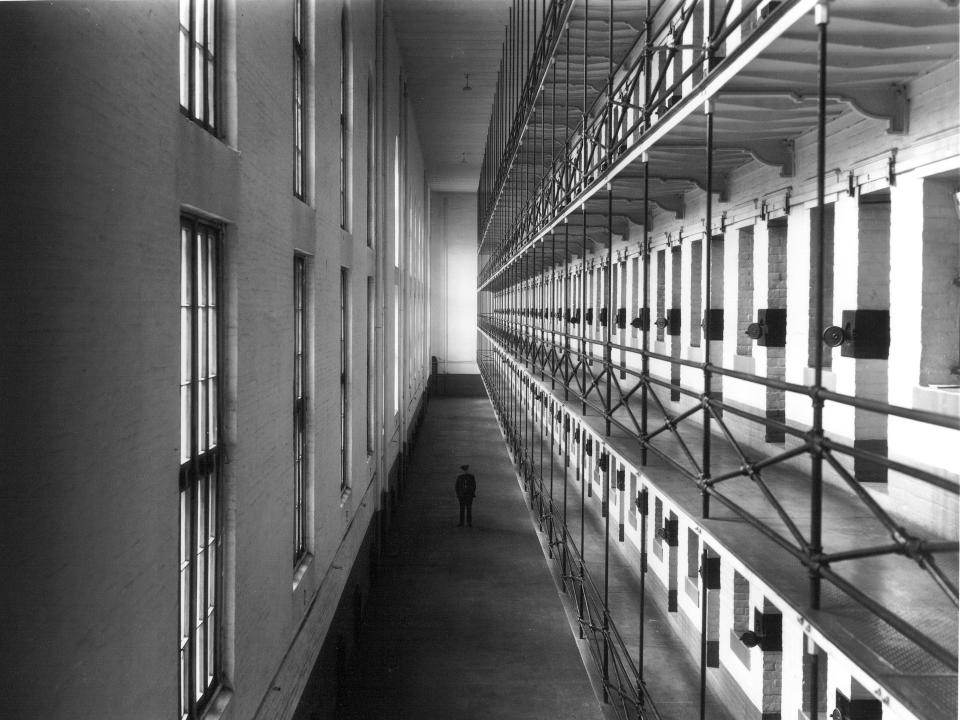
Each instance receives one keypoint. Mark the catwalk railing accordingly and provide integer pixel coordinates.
(620, 678)
(589, 377)
(584, 378)
(683, 56)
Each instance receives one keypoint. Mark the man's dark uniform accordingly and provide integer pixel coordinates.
(466, 488)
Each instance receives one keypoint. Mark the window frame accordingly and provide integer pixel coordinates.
(200, 476)
(301, 399)
(208, 117)
(345, 88)
(300, 89)
(344, 379)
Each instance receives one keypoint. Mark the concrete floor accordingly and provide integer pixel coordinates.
(465, 622)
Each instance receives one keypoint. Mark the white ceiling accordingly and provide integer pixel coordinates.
(441, 40)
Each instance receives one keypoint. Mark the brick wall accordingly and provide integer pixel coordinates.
(815, 331)
(104, 163)
(776, 298)
(696, 291)
(661, 290)
(745, 314)
(940, 353)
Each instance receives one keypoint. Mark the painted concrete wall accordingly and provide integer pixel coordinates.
(453, 281)
(99, 164)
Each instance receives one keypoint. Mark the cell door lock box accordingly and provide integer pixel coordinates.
(711, 573)
(603, 317)
(588, 316)
(621, 318)
(767, 633)
(857, 708)
(642, 320)
(716, 324)
(673, 321)
(770, 330)
(862, 334)
(669, 532)
(643, 502)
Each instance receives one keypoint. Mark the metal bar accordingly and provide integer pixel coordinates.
(643, 498)
(821, 19)
(707, 379)
(703, 632)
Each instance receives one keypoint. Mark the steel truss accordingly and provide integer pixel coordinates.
(545, 197)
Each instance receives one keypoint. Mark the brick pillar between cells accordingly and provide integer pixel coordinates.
(772, 677)
(776, 298)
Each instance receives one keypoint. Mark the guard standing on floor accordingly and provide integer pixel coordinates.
(466, 487)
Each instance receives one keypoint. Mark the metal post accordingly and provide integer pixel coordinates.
(707, 376)
(606, 581)
(553, 309)
(583, 312)
(566, 227)
(703, 634)
(645, 314)
(553, 430)
(583, 211)
(583, 482)
(812, 662)
(642, 507)
(821, 18)
(608, 364)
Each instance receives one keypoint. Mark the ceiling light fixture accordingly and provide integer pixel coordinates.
(466, 87)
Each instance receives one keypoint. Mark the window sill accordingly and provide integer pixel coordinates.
(218, 704)
(301, 569)
(937, 398)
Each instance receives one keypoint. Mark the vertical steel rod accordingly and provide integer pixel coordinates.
(707, 379)
(645, 308)
(821, 17)
(642, 507)
(703, 634)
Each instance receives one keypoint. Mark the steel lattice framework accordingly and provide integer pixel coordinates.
(602, 109)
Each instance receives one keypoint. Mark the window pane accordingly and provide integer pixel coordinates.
(184, 681)
(214, 415)
(198, 8)
(212, 341)
(184, 69)
(186, 281)
(197, 82)
(202, 344)
(185, 366)
(210, 114)
(213, 262)
(201, 272)
(201, 419)
(185, 423)
(211, 39)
